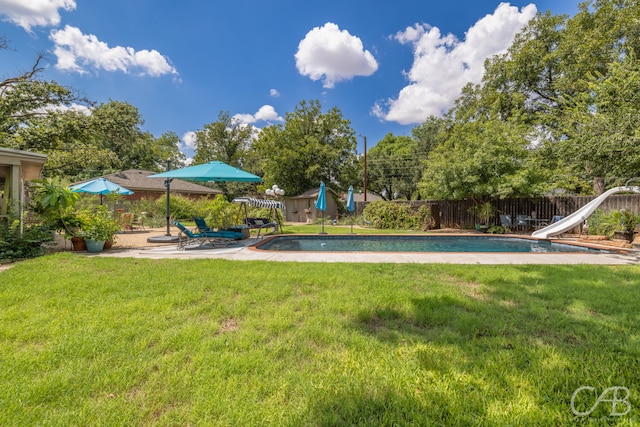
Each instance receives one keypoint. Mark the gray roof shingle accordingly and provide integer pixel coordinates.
(138, 180)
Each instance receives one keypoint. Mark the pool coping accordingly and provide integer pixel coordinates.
(570, 242)
(246, 251)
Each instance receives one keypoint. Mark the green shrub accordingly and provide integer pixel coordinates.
(607, 223)
(28, 244)
(389, 215)
(222, 213)
(597, 222)
(154, 211)
(182, 208)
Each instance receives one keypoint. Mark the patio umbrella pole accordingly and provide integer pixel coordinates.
(167, 183)
(167, 238)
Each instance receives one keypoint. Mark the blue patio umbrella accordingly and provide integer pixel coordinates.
(215, 171)
(99, 186)
(351, 206)
(321, 202)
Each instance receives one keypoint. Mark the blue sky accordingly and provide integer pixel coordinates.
(386, 65)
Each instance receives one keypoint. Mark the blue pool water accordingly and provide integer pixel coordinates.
(391, 243)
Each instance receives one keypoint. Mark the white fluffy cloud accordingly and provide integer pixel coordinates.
(443, 65)
(189, 139)
(34, 13)
(333, 55)
(274, 93)
(266, 113)
(75, 51)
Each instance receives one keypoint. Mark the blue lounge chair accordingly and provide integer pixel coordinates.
(202, 225)
(187, 237)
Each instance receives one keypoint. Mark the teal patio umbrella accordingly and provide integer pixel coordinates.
(321, 203)
(99, 186)
(215, 171)
(351, 206)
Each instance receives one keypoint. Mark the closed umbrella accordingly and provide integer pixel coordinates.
(99, 186)
(321, 203)
(350, 204)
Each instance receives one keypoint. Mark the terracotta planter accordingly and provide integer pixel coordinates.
(78, 244)
(108, 244)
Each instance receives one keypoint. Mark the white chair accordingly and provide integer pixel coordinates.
(522, 222)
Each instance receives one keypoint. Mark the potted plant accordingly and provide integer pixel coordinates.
(73, 223)
(621, 224)
(55, 205)
(483, 212)
(99, 227)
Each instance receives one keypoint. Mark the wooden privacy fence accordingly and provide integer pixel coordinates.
(455, 213)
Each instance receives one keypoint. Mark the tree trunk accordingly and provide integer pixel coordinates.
(598, 186)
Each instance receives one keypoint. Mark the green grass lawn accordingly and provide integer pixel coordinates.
(105, 341)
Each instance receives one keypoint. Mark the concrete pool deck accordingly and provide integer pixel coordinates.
(242, 251)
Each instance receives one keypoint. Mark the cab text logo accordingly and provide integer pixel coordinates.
(617, 397)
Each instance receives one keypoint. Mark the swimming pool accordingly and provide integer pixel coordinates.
(412, 243)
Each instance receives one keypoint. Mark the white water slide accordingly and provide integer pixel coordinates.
(579, 216)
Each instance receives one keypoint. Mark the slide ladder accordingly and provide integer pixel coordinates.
(579, 216)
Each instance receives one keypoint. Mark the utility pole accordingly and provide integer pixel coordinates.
(365, 166)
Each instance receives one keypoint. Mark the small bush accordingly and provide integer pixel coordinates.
(390, 215)
(182, 208)
(154, 211)
(222, 213)
(28, 244)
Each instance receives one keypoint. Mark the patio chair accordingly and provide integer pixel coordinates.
(138, 221)
(506, 221)
(522, 222)
(556, 218)
(126, 221)
(260, 223)
(187, 237)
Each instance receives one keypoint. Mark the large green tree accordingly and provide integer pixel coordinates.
(80, 140)
(116, 127)
(25, 99)
(88, 143)
(394, 167)
(548, 80)
(311, 146)
(488, 158)
(604, 130)
(542, 118)
(226, 139)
